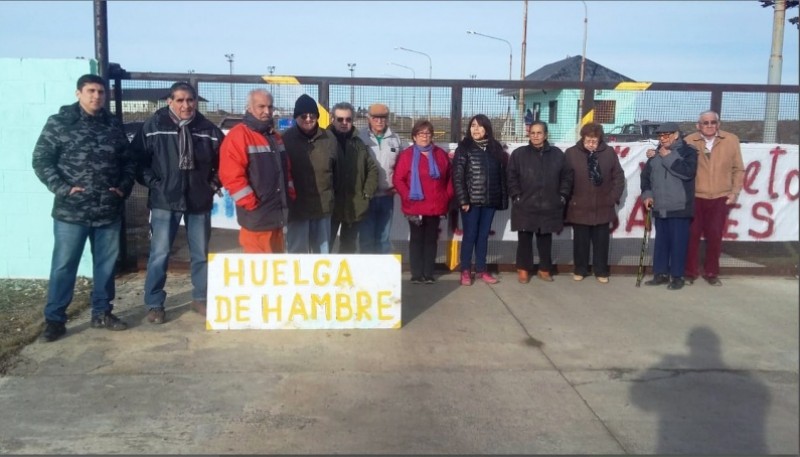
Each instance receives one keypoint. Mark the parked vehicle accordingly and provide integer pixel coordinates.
(638, 131)
(229, 122)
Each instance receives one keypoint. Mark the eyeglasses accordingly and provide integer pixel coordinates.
(343, 120)
(664, 134)
(308, 116)
(424, 134)
(709, 123)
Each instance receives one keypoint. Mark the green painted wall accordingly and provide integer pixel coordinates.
(30, 90)
(565, 129)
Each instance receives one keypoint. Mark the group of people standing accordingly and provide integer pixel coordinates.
(298, 191)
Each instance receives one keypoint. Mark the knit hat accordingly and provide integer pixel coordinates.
(305, 105)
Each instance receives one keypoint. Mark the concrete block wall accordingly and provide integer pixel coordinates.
(30, 91)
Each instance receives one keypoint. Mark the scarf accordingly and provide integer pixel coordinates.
(482, 143)
(594, 169)
(433, 171)
(185, 144)
(263, 127)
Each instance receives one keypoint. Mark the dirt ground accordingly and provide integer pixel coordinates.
(21, 305)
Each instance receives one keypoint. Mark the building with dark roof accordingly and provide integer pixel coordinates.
(560, 108)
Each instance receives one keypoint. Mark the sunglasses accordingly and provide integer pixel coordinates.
(308, 116)
(343, 120)
(709, 123)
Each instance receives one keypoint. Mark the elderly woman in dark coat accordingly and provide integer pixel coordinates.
(539, 183)
(596, 190)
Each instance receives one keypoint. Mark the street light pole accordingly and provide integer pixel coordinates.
(230, 61)
(430, 72)
(523, 59)
(352, 67)
(583, 62)
(510, 49)
(413, 99)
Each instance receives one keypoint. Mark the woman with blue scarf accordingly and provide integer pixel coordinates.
(422, 179)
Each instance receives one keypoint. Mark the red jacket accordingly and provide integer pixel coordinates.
(257, 174)
(438, 192)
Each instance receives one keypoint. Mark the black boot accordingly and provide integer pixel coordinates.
(658, 280)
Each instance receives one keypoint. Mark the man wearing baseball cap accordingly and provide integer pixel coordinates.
(384, 146)
(667, 184)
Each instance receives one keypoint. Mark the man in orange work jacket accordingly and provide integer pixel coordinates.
(255, 169)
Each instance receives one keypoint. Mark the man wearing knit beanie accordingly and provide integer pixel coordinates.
(305, 104)
(312, 153)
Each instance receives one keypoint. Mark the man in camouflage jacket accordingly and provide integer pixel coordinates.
(82, 157)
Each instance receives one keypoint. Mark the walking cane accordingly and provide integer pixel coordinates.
(647, 226)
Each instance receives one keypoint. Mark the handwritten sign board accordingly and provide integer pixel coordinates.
(292, 291)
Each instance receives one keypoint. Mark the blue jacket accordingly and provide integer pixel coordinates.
(669, 181)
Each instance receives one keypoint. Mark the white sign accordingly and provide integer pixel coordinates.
(293, 291)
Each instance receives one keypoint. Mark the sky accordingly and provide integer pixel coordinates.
(656, 41)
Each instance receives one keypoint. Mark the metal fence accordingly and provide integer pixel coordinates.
(449, 104)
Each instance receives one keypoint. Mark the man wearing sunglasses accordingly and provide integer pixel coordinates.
(355, 179)
(384, 145)
(720, 174)
(667, 184)
(312, 152)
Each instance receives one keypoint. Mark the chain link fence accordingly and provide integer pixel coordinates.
(625, 113)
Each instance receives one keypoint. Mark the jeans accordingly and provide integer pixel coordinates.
(163, 228)
(476, 225)
(309, 237)
(375, 229)
(672, 241)
(347, 237)
(67, 250)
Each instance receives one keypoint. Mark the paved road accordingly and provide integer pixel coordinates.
(563, 367)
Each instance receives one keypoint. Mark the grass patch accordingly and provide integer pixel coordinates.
(21, 306)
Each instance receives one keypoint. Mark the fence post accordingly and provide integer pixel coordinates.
(324, 94)
(716, 101)
(456, 95)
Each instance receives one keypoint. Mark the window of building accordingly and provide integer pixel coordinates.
(605, 111)
(553, 115)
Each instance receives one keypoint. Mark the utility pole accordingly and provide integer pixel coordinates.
(774, 75)
(521, 100)
(230, 61)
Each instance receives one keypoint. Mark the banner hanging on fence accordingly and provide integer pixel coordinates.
(767, 209)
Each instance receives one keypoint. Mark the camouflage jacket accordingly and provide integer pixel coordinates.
(76, 149)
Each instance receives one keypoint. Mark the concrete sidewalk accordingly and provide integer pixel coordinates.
(563, 367)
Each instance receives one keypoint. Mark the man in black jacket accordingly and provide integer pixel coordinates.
(82, 157)
(178, 157)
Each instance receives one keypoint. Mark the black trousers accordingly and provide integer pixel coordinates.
(544, 246)
(422, 244)
(598, 236)
(348, 237)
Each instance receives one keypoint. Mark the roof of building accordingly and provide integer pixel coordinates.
(569, 69)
